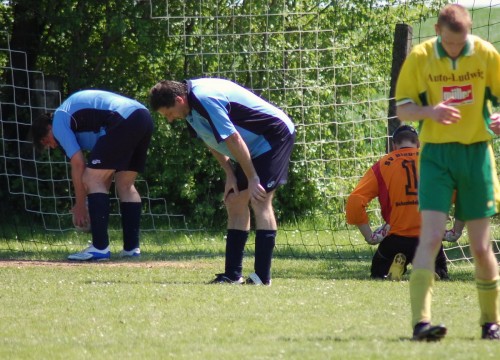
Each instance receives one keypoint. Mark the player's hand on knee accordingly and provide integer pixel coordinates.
(379, 234)
(257, 192)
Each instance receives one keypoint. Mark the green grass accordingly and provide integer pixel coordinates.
(315, 309)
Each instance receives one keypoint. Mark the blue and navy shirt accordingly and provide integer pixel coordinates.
(220, 108)
(84, 117)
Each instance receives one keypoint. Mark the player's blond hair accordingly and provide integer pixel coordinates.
(455, 17)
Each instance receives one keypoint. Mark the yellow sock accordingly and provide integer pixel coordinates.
(421, 283)
(489, 293)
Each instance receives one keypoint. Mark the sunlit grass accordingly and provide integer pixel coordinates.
(315, 309)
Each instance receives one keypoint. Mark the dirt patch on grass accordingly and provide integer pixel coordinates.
(133, 264)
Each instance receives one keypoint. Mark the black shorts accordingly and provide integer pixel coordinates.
(394, 244)
(125, 145)
(271, 167)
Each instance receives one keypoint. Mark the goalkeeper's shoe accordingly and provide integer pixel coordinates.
(424, 331)
(397, 268)
(254, 279)
(134, 253)
(491, 331)
(224, 279)
(91, 253)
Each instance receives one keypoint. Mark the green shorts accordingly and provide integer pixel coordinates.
(468, 169)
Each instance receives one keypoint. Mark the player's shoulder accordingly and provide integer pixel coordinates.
(61, 117)
(424, 48)
(214, 85)
(205, 88)
(481, 45)
(400, 154)
(209, 84)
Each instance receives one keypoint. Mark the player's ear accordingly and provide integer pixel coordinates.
(437, 29)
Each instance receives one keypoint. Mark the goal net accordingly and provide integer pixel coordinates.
(331, 73)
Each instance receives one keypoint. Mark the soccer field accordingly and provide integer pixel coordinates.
(315, 309)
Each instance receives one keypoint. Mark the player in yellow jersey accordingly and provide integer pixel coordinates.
(449, 83)
(394, 180)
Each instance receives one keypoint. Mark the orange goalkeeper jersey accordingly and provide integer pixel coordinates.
(394, 180)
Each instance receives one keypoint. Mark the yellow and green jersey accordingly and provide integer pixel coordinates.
(472, 81)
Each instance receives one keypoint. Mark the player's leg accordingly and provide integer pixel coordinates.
(435, 192)
(422, 277)
(238, 227)
(265, 238)
(388, 255)
(97, 182)
(272, 168)
(486, 273)
(383, 257)
(130, 139)
(130, 209)
(479, 205)
(380, 266)
(441, 266)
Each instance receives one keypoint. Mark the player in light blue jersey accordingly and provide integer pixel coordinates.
(116, 131)
(252, 140)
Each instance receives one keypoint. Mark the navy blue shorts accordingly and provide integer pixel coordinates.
(272, 166)
(125, 145)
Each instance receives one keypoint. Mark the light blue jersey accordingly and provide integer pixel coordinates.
(84, 117)
(220, 108)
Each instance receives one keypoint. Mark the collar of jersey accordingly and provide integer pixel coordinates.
(466, 51)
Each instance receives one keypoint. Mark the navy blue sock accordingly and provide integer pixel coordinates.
(98, 204)
(264, 247)
(235, 247)
(131, 220)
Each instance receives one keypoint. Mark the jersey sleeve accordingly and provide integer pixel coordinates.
(407, 85)
(358, 200)
(63, 133)
(493, 81)
(217, 110)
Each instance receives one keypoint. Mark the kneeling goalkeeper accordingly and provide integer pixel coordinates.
(393, 179)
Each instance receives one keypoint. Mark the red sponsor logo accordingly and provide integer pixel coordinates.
(458, 94)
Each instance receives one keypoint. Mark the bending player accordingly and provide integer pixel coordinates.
(117, 132)
(252, 140)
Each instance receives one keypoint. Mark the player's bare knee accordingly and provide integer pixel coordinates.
(480, 250)
(262, 206)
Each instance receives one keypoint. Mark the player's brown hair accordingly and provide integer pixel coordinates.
(40, 129)
(455, 17)
(163, 94)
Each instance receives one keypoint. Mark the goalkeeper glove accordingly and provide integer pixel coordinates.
(451, 235)
(379, 234)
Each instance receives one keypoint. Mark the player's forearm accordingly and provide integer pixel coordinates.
(412, 112)
(365, 230)
(77, 170)
(240, 151)
(223, 161)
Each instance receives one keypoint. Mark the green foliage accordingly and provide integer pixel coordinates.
(308, 58)
(5, 18)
